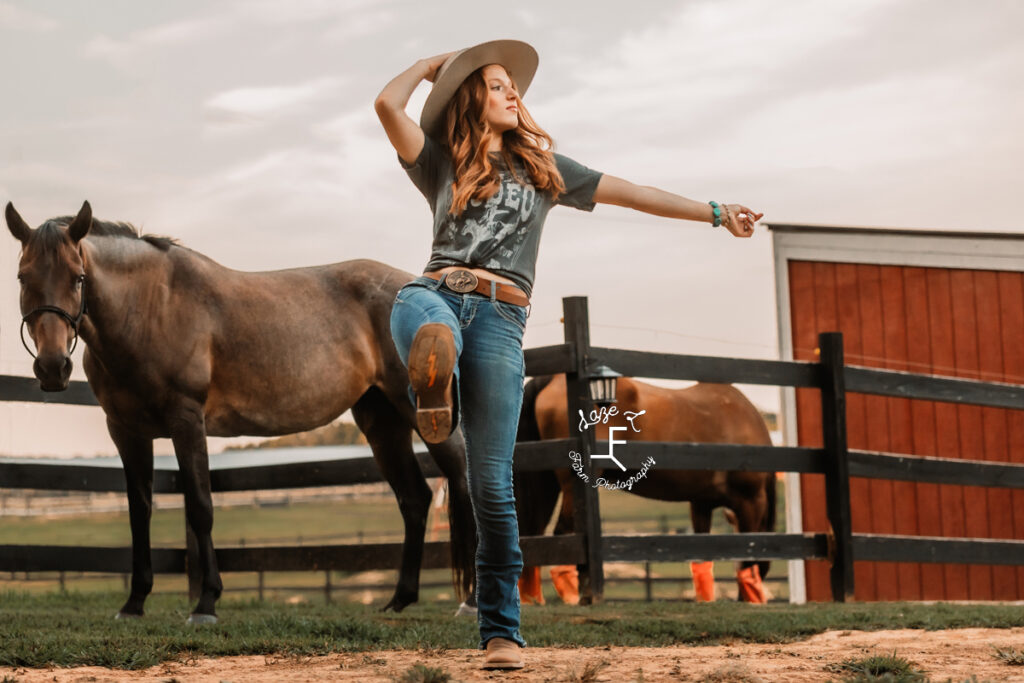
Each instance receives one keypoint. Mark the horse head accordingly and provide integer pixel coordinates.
(52, 276)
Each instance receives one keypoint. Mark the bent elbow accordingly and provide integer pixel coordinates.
(383, 105)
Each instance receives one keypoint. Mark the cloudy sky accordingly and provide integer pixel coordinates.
(246, 130)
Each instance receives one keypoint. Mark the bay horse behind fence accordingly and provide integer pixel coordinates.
(708, 413)
(180, 347)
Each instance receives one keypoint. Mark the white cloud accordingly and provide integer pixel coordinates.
(15, 18)
(723, 90)
(706, 58)
(529, 18)
(165, 35)
(363, 151)
(342, 21)
(275, 12)
(356, 25)
(270, 100)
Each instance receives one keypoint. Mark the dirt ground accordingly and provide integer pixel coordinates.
(954, 654)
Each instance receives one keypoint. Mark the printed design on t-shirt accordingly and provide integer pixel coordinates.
(489, 233)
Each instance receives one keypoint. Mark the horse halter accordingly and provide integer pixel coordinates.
(74, 322)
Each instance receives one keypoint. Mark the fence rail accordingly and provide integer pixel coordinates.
(587, 546)
(330, 587)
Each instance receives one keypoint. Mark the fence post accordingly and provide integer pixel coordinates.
(837, 469)
(586, 512)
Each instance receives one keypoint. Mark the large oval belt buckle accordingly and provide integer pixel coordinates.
(461, 281)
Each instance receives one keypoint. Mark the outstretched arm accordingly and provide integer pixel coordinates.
(737, 219)
(405, 135)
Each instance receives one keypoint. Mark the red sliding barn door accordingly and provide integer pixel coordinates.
(943, 321)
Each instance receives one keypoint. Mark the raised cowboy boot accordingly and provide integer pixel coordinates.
(431, 364)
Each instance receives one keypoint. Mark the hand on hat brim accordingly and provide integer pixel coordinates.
(435, 63)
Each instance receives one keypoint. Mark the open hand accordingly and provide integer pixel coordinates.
(739, 220)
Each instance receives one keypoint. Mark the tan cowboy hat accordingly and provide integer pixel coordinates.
(518, 58)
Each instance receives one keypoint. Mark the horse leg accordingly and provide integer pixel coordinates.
(768, 519)
(566, 577)
(750, 514)
(702, 572)
(536, 496)
(390, 438)
(137, 457)
(450, 456)
(188, 434)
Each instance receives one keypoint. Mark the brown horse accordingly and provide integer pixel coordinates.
(180, 347)
(709, 413)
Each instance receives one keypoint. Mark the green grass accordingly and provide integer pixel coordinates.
(78, 629)
(1010, 655)
(420, 673)
(887, 668)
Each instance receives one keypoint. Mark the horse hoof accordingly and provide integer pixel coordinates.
(465, 611)
(201, 619)
(394, 606)
(125, 615)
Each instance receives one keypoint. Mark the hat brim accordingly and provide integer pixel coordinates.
(518, 58)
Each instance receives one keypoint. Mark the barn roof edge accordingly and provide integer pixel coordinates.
(970, 234)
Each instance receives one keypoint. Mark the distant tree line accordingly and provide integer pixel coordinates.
(347, 434)
(334, 434)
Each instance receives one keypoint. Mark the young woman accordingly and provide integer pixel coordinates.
(490, 176)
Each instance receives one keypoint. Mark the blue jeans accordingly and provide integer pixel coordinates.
(488, 381)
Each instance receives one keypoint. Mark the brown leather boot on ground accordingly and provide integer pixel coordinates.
(431, 364)
(503, 653)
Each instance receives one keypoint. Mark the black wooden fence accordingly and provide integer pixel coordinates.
(587, 546)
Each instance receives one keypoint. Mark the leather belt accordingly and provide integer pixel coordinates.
(462, 281)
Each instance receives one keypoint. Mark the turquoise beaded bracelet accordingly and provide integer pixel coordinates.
(717, 211)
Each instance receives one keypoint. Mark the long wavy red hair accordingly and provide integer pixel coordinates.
(468, 137)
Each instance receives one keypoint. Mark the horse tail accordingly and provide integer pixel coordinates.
(461, 551)
(536, 493)
(769, 517)
(529, 430)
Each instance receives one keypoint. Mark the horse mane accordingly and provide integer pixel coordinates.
(51, 235)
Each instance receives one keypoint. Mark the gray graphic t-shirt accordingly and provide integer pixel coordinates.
(502, 233)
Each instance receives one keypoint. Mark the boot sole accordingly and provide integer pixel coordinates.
(431, 364)
(494, 667)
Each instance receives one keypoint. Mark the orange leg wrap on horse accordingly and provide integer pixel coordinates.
(703, 581)
(567, 582)
(751, 588)
(530, 588)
